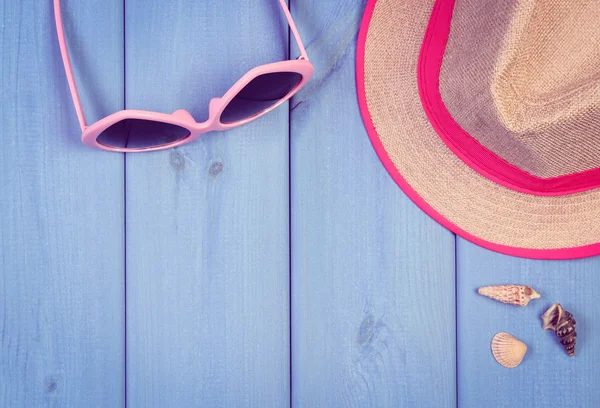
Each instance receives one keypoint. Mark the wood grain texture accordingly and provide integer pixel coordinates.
(372, 276)
(547, 376)
(61, 206)
(207, 224)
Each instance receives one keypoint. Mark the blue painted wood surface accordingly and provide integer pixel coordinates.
(207, 223)
(187, 252)
(372, 276)
(61, 206)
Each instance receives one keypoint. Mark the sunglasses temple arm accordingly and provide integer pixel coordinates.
(290, 20)
(67, 64)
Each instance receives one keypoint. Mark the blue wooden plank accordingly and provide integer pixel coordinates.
(372, 276)
(61, 229)
(547, 375)
(207, 223)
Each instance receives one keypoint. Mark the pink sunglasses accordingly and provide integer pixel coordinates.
(259, 91)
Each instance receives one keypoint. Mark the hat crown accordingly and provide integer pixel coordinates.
(522, 77)
(550, 55)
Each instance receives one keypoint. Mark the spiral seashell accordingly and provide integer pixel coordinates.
(517, 295)
(562, 322)
(508, 350)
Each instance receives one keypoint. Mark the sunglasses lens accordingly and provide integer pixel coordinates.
(259, 94)
(141, 134)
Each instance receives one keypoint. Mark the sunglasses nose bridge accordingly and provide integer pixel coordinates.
(214, 106)
(183, 115)
(192, 125)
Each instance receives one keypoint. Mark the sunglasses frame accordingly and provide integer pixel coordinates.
(181, 117)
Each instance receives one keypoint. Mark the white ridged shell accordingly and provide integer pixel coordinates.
(508, 350)
(518, 295)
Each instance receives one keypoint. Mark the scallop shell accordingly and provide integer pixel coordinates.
(517, 295)
(508, 350)
(562, 322)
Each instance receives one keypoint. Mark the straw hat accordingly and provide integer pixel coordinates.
(487, 114)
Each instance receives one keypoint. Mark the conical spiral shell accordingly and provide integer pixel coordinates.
(562, 322)
(518, 295)
(508, 350)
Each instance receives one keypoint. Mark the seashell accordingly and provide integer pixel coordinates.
(558, 319)
(508, 350)
(517, 295)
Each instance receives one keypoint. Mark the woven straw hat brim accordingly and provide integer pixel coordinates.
(440, 183)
